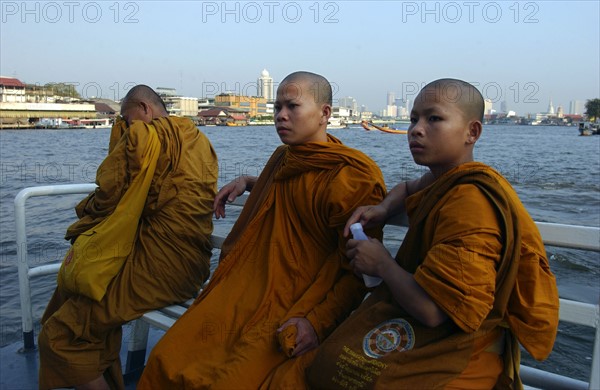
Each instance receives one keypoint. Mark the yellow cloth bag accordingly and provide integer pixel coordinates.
(99, 253)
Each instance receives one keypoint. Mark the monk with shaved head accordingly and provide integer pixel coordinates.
(283, 282)
(470, 282)
(166, 263)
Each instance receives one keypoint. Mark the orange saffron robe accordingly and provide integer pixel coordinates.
(284, 258)
(80, 338)
(475, 250)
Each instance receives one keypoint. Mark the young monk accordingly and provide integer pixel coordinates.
(80, 337)
(283, 282)
(469, 282)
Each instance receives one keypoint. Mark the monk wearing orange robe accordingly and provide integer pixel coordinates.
(283, 282)
(80, 337)
(470, 281)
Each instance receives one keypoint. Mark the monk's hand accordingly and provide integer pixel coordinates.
(227, 194)
(306, 337)
(368, 257)
(368, 216)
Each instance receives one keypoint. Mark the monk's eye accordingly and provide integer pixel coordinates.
(434, 118)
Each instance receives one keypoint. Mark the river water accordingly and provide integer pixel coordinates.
(555, 172)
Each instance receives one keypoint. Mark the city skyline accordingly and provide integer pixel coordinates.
(395, 107)
(514, 52)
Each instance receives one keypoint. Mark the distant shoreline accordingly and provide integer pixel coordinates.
(33, 127)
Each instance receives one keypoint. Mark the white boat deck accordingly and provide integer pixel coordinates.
(143, 334)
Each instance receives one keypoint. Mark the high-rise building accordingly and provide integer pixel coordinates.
(576, 107)
(265, 86)
(488, 106)
(391, 111)
(391, 98)
(350, 103)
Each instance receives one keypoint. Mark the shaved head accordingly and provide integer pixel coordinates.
(143, 93)
(319, 86)
(459, 92)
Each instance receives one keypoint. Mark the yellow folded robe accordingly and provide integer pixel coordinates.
(99, 253)
(80, 338)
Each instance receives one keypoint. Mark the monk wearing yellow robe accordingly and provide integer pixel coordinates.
(470, 281)
(80, 338)
(283, 282)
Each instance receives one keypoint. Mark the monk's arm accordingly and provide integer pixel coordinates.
(250, 182)
(230, 191)
(459, 269)
(372, 258)
(409, 294)
(393, 204)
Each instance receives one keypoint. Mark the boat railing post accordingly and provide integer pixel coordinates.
(136, 350)
(23, 269)
(595, 372)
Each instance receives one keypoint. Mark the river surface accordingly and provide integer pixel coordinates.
(555, 171)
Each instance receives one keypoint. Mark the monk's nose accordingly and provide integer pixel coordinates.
(415, 130)
(281, 115)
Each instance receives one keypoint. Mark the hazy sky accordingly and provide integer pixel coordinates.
(524, 53)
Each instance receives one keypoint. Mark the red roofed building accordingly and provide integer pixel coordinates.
(213, 116)
(11, 90)
(237, 120)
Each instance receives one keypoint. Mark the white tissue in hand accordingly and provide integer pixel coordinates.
(359, 234)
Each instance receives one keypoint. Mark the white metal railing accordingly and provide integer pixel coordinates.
(26, 272)
(560, 235)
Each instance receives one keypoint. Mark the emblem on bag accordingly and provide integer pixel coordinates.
(391, 335)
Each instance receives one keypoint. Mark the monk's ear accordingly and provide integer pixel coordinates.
(145, 107)
(326, 112)
(475, 128)
(148, 111)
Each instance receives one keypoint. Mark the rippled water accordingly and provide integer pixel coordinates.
(555, 172)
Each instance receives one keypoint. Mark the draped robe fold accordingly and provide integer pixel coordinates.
(284, 258)
(475, 250)
(80, 338)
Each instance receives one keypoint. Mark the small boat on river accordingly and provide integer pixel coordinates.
(369, 126)
(588, 128)
(336, 123)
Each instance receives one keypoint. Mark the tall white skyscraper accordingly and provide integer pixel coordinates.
(391, 111)
(577, 107)
(265, 86)
(391, 98)
(488, 106)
